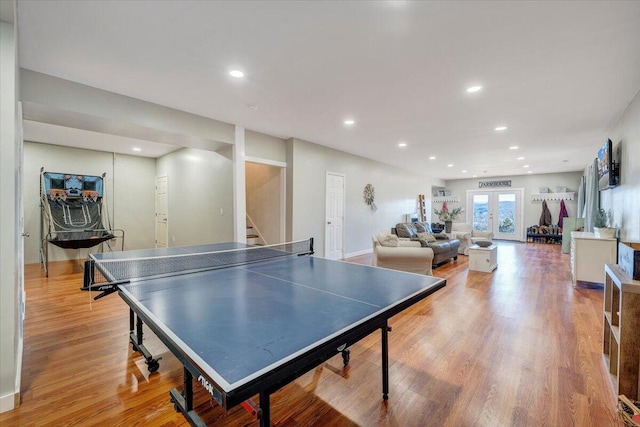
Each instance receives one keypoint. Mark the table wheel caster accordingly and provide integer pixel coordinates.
(153, 365)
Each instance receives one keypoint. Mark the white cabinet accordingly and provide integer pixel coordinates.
(589, 254)
(483, 259)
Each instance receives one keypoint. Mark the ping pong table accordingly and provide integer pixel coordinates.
(247, 320)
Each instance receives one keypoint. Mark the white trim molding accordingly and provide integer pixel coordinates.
(265, 161)
(8, 402)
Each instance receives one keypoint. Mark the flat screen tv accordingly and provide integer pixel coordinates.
(608, 168)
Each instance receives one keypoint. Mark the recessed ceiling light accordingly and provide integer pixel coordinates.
(529, 171)
(499, 128)
(136, 149)
(464, 171)
(450, 165)
(402, 144)
(349, 122)
(513, 147)
(253, 107)
(520, 158)
(432, 157)
(525, 166)
(474, 176)
(473, 89)
(236, 73)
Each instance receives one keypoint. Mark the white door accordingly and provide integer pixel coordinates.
(162, 226)
(20, 241)
(334, 216)
(499, 211)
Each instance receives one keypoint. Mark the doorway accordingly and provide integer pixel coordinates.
(265, 192)
(498, 211)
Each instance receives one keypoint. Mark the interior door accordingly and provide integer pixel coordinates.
(334, 216)
(498, 211)
(20, 240)
(162, 226)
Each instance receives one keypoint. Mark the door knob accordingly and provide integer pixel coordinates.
(26, 234)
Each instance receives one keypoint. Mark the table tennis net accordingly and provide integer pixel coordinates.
(124, 270)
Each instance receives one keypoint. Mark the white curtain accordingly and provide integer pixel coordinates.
(592, 196)
(580, 207)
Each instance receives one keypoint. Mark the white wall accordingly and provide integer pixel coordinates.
(396, 194)
(531, 185)
(624, 201)
(133, 199)
(265, 146)
(53, 100)
(200, 185)
(263, 199)
(129, 188)
(10, 288)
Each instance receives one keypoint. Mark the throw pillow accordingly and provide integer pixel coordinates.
(427, 237)
(403, 230)
(423, 227)
(388, 239)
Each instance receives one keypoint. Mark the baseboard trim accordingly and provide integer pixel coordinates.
(352, 254)
(9, 402)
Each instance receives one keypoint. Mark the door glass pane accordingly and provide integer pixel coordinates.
(480, 212)
(506, 213)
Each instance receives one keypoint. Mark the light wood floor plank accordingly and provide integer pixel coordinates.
(518, 347)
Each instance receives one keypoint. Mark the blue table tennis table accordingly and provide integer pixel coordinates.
(248, 320)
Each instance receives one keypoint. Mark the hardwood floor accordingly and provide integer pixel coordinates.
(518, 347)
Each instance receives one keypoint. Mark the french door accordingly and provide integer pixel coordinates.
(498, 211)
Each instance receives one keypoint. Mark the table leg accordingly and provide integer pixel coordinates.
(188, 390)
(265, 416)
(385, 361)
(183, 401)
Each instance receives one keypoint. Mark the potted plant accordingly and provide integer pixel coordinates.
(601, 219)
(448, 216)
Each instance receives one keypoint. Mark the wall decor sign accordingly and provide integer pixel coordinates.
(502, 183)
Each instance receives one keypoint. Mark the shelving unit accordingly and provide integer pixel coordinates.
(550, 234)
(423, 207)
(544, 238)
(621, 331)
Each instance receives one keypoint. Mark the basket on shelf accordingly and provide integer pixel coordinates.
(628, 411)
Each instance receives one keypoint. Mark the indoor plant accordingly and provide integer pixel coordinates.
(448, 216)
(601, 219)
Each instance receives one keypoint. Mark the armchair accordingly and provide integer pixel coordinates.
(406, 256)
(468, 236)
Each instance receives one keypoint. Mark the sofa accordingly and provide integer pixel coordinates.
(444, 248)
(390, 252)
(464, 232)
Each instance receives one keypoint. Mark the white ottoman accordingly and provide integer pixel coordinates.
(483, 259)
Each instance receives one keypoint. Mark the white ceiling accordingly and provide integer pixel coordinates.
(558, 74)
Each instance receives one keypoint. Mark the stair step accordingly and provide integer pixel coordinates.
(252, 236)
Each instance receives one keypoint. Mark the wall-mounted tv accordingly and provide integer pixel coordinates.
(608, 167)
